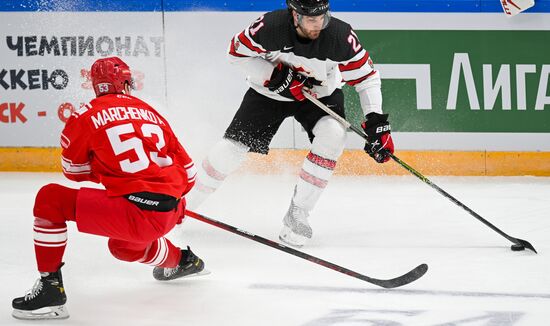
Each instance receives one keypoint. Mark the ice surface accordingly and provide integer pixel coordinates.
(379, 226)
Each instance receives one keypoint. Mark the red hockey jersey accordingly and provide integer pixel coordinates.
(123, 143)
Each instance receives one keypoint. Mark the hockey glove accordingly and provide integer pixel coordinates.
(288, 83)
(379, 142)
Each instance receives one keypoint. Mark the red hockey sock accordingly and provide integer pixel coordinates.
(162, 253)
(49, 245)
(54, 204)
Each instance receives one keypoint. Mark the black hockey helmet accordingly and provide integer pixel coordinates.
(308, 7)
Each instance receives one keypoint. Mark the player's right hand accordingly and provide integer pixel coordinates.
(286, 82)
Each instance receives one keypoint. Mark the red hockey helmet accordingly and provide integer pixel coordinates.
(109, 75)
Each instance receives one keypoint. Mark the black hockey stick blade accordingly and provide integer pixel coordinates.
(404, 279)
(524, 244)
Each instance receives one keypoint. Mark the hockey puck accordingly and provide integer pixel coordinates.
(517, 247)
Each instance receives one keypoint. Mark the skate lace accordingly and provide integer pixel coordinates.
(296, 220)
(36, 288)
(299, 215)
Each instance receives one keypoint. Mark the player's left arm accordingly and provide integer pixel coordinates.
(360, 73)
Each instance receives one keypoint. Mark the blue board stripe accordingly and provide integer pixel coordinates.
(81, 5)
(260, 5)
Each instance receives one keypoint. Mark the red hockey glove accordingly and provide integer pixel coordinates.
(379, 142)
(288, 83)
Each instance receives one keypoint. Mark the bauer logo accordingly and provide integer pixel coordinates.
(144, 201)
(382, 129)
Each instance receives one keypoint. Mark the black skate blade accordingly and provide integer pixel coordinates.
(54, 312)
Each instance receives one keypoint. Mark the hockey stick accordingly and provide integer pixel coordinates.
(407, 278)
(519, 243)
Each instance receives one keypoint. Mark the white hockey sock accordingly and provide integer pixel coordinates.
(326, 148)
(222, 160)
(313, 179)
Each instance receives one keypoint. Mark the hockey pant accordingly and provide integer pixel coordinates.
(134, 234)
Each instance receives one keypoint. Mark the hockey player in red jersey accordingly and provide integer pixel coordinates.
(283, 53)
(123, 143)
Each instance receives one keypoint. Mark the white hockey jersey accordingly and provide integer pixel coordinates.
(334, 58)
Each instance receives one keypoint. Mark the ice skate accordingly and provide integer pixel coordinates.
(189, 265)
(296, 230)
(46, 299)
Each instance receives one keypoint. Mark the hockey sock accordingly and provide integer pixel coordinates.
(224, 158)
(313, 179)
(326, 148)
(54, 204)
(162, 253)
(49, 245)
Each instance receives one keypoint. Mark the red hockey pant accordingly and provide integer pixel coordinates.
(134, 234)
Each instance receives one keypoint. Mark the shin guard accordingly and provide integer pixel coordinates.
(226, 157)
(54, 205)
(326, 148)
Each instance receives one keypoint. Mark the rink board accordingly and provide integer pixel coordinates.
(352, 162)
(451, 81)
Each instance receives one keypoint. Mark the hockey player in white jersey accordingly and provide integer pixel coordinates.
(283, 53)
